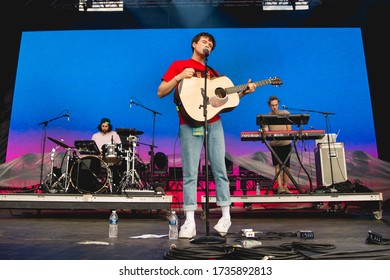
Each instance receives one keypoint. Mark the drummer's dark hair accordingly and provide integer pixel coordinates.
(105, 120)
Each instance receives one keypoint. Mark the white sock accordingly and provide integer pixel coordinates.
(190, 216)
(225, 212)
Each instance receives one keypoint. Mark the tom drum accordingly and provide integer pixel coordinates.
(112, 153)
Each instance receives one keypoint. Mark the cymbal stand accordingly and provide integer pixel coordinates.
(50, 178)
(63, 183)
(45, 124)
(131, 176)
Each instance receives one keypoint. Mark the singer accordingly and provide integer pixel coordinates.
(281, 147)
(192, 138)
(105, 134)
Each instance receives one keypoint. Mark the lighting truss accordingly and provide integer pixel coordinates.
(299, 4)
(120, 5)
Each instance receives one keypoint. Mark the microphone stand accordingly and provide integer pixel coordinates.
(208, 239)
(151, 146)
(327, 125)
(45, 124)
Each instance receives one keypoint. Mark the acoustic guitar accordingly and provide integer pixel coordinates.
(222, 96)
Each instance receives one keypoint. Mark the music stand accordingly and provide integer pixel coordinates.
(293, 119)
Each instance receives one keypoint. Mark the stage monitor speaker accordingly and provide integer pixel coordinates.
(326, 159)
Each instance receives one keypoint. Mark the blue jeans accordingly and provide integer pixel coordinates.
(191, 148)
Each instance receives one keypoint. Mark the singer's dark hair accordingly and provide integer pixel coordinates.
(272, 98)
(105, 120)
(203, 34)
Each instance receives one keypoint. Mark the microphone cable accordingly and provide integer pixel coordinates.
(203, 252)
(277, 235)
(311, 247)
(381, 254)
(267, 253)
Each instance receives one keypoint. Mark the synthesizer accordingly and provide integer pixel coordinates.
(282, 135)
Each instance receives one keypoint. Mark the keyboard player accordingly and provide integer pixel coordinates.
(282, 148)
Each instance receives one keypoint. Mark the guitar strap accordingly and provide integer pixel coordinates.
(214, 72)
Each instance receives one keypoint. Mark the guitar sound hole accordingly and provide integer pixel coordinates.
(220, 92)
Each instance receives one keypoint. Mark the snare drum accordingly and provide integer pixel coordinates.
(111, 153)
(90, 174)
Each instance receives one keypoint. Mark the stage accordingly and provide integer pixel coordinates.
(318, 201)
(136, 199)
(147, 199)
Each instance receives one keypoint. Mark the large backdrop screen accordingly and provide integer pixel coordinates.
(95, 73)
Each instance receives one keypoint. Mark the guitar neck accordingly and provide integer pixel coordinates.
(244, 86)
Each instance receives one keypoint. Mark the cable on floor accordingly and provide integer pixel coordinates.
(277, 235)
(266, 252)
(267, 236)
(310, 247)
(382, 254)
(386, 222)
(203, 252)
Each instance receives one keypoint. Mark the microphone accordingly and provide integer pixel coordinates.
(131, 102)
(67, 115)
(206, 52)
(112, 139)
(284, 107)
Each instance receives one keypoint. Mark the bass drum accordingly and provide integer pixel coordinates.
(90, 174)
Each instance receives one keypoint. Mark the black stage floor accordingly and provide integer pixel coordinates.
(52, 234)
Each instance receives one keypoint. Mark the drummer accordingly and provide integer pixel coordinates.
(105, 135)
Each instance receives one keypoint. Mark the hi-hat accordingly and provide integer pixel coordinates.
(128, 131)
(59, 143)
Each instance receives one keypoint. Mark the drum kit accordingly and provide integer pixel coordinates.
(114, 169)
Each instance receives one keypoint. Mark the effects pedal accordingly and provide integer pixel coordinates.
(306, 234)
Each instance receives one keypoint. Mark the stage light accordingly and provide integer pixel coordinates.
(160, 162)
(101, 5)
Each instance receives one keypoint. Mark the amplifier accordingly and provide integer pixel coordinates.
(330, 163)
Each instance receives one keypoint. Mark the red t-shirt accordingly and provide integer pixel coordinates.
(177, 67)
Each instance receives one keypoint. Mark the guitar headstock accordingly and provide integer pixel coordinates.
(276, 81)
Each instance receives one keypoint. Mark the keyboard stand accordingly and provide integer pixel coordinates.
(283, 165)
(297, 119)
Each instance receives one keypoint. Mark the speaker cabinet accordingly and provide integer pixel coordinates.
(330, 164)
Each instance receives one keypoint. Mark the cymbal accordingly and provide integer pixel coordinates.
(128, 131)
(59, 143)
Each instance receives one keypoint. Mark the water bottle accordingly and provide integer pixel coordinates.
(257, 188)
(113, 224)
(173, 232)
